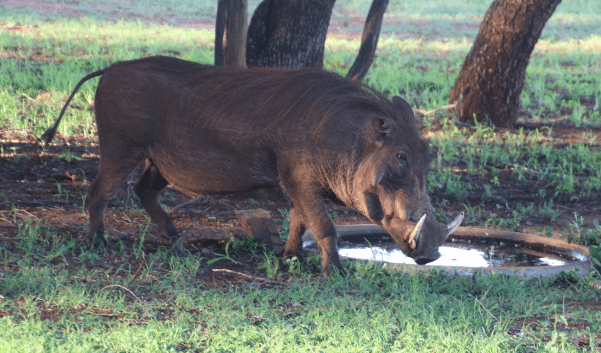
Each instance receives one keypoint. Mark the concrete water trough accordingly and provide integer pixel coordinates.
(467, 250)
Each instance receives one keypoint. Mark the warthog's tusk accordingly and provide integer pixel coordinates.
(451, 227)
(415, 233)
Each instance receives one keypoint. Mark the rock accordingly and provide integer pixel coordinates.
(259, 224)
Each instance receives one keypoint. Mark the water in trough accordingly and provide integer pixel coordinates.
(459, 254)
(454, 254)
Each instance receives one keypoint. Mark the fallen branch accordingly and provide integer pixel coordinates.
(430, 112)
(485, 293)
(552, 124)
(10, 239)
(23, 95)
(120, 286)
(6, 220)
(32, 215)
(176, 293)
(541, 174)
(195, 199)
(247, 276)
(482, 305)
(526, 169)
(18, 210)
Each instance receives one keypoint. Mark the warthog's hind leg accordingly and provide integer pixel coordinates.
(147, 189)
(109, 178)
(297, 228)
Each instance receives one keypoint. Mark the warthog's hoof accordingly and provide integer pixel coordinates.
(330, 270)
(102, 248)
(289, 254)
(100, 243)
(177, 244)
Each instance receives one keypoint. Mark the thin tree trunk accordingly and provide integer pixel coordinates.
(369, 40)
(288, 33)
(230, 33)
(492, 76)
(219, 32)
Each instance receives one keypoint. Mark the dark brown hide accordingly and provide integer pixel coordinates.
(212, 130)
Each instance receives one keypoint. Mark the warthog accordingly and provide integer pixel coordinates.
(219, 130)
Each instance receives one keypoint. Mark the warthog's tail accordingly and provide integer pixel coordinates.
(49, 134)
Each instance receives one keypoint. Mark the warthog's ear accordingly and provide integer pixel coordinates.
(406, 108)
(382, 126)
(373, 207)
(401, 103)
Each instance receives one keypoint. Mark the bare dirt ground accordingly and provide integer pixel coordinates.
(50, 185)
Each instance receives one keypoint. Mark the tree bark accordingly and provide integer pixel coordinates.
(288, 33)
(230, 33)
(369, 40)
(492, 77)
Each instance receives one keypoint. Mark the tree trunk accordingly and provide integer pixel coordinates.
(288, 33)
(492, 76)
(230, 33)
(369, 40)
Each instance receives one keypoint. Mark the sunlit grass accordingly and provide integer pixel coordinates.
(571, 19)
(39, 56)
(86, 38)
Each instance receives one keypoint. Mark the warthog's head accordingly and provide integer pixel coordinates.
(390, 186)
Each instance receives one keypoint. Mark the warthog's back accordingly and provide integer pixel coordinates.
(216, 129)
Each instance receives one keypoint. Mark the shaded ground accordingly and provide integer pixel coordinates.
(51, 184)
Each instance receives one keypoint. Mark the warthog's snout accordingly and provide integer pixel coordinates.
(423, 254)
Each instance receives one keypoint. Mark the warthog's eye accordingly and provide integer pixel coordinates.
(401, 160)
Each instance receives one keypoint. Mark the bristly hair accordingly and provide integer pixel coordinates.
(316, 91)
(256, 98)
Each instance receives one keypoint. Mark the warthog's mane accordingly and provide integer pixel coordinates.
(282, 93)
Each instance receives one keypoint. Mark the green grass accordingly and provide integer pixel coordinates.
(64, 303)
(54, 56)
(456, 19)
(54, 295)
